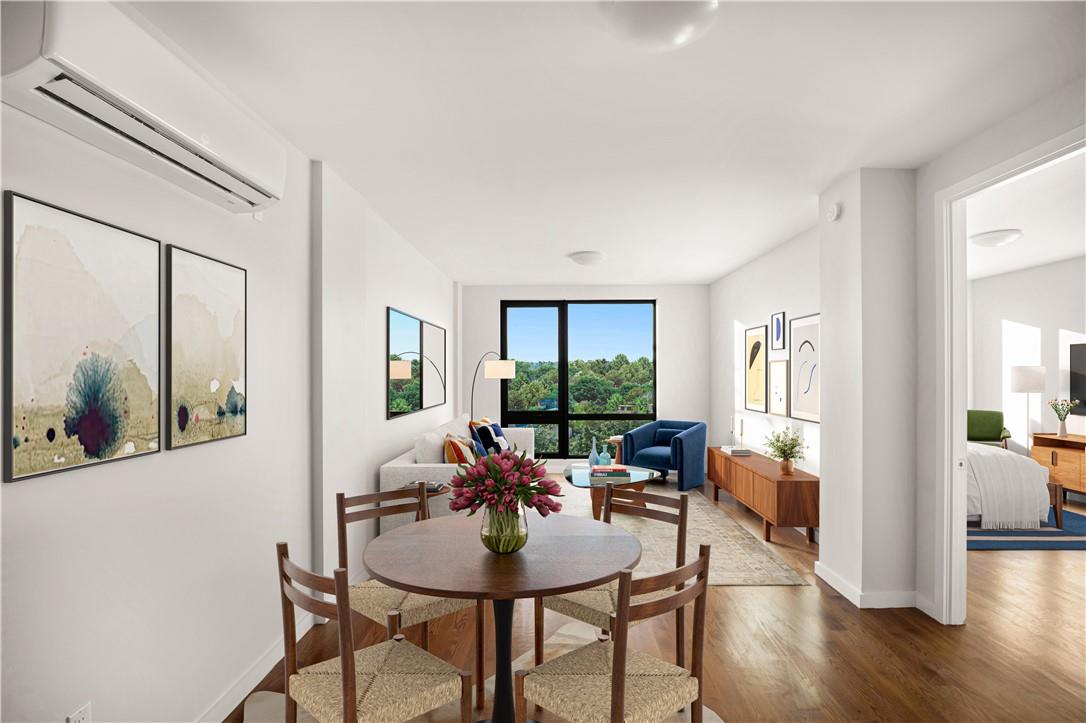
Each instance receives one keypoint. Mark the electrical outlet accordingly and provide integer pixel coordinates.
(81, 715)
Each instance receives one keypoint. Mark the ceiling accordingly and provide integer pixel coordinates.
(1048, 205)
(498, 137)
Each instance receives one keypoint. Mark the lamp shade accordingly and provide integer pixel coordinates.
(399, 369)
(1030, 380)
(500, 369)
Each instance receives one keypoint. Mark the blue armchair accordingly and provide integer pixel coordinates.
(668, 444)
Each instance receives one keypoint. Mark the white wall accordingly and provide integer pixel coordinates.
(361, 267)
(682, 341)
(1045, 120)
(1044, 297)
(122, 582)
(785, 279)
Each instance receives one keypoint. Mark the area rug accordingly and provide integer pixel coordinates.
(1072, 536)
(265, 707)
(737, 557)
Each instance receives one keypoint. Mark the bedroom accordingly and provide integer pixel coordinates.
(1025, 349)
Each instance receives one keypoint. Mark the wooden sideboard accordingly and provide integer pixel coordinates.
(756, 481)
(1065, 458)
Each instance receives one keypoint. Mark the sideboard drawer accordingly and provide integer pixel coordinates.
(1065, 465)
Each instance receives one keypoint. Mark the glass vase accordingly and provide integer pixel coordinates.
(504, 532)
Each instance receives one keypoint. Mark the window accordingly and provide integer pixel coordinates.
(585, 369)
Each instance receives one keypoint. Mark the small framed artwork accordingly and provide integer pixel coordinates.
(205, 349)
(81, 331)
(776, 331)
(778, 387)
(804, 388)
(754, 360)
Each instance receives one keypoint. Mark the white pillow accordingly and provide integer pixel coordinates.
(430, 448)
(457, 427)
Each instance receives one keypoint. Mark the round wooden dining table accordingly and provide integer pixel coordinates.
(444, 557)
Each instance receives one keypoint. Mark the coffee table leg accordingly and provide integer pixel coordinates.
(503, 662)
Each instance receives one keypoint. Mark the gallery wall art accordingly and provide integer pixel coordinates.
(776, 331)
(778, 387)
(754, 360)
(804, 335)
(403, 345)
(81, 318)
(205, 351)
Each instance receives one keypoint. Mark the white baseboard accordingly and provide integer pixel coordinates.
(237, 692)
(838, 583)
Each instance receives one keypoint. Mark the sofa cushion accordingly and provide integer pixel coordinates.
(653, 458)
(488, 436)
(430, 448)
(663, 436)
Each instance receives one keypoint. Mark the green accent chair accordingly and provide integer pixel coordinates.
(985, 426)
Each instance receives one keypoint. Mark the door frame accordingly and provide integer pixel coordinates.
(951, 373)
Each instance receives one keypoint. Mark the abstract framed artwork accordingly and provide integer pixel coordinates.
(403, 347)
(205, 349)
(754, 360)
(778, 387)
(776, 331)
(82, 326)
(433, 368)
(805, 338)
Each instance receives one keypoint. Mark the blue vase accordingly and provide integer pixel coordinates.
(605, 456)
(594, 457)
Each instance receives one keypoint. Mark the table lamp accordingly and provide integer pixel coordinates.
(1027, 380)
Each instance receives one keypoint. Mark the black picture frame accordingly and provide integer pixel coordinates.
(168, 395)
(9, 341)
(443, 373)
(423, 358)
(748, 362)
(774, 344)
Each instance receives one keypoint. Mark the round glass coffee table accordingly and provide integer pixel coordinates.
(577, 474)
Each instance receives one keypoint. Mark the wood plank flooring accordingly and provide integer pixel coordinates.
(805, 653)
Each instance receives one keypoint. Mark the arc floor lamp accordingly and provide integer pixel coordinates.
(495, 369)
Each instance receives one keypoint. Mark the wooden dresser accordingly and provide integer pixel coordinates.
(1065, 458)
(756, 481)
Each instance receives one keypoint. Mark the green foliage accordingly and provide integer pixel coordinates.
(596, 386)
(785, 444)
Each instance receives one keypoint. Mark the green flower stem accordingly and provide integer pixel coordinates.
(504, 533)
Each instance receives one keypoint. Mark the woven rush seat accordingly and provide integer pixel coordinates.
(375, 599)
(595, 605)
(395, 680)
(577, 686)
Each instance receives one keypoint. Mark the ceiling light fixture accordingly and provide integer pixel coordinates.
(658, 27)
(998, 237)
(586, 258)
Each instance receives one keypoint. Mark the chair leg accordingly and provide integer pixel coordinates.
(392, 623)
(680, 638)
(465, 697)
(291, 712)
(426, 635)
(520, 705)
(539, 631)
(480, 634)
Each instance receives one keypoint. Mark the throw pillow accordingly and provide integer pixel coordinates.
(428, 448)
(488, 437)
(459, 451)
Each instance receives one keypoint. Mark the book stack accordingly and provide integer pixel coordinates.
(609, 474)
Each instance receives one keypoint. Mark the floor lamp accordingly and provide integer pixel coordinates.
(1028, 380)
(495, 369)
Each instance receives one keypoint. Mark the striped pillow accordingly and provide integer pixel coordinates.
(458, 451)
(488, 437)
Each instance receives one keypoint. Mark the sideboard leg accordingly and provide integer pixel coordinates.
(766, 527)
(810, 534)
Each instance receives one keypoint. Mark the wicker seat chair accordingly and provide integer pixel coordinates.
(390, 681)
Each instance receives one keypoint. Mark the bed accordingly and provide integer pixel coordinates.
(1008, 491)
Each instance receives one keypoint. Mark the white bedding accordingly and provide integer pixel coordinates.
(1005, 490)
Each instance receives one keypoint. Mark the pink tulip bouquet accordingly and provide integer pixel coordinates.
(500, 484)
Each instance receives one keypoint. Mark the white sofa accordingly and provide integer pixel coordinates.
(426, 461)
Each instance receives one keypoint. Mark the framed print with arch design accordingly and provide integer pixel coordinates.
(804, 355)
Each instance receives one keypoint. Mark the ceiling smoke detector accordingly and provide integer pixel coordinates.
(998, 237)
(586, 258)
(658, 27)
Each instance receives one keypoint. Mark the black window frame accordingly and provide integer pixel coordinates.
(562, 416)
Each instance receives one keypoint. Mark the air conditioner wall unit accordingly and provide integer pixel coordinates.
(91, 70)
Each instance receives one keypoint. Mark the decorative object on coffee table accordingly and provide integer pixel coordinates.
(787, 447)
(580, 475)
(504, 485)
(1063, 407)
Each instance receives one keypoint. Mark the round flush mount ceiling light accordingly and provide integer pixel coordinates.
(586, 258)
(658, 27)
(998, 237)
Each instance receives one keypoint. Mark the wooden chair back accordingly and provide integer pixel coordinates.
(346, 512)
(290, 576)
(691, 583)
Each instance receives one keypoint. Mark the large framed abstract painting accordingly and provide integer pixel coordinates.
(81, 322)
(804, 334)
(776, 331)
(205, 350)
(433, 367)
(778, 387)
(754, 360)
(403, 344)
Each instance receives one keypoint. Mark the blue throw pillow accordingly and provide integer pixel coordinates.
(664, 436)
(488, 437)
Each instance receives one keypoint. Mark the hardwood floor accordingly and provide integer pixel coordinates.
(805, 653)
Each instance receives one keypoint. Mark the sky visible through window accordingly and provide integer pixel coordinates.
(596, 331)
